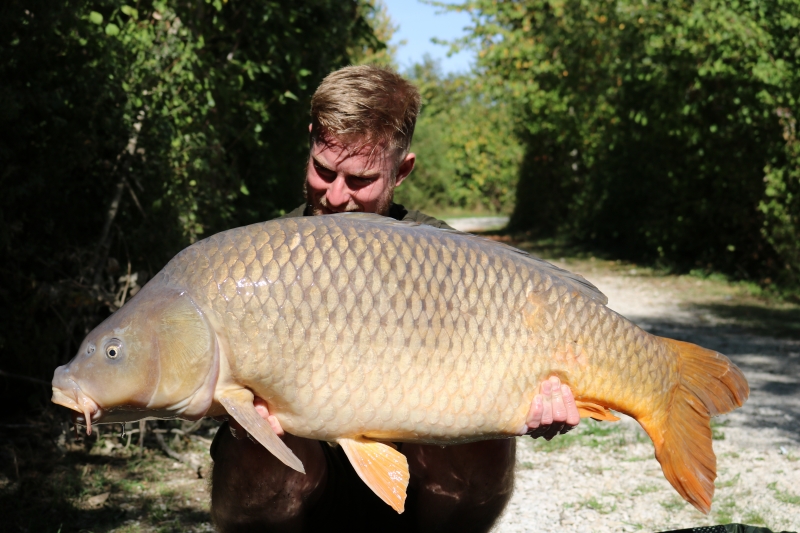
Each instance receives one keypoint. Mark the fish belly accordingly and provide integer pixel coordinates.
(348, 327)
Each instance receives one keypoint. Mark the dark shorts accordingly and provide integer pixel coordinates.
(347, 500)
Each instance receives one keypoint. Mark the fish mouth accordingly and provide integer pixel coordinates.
(85, 410)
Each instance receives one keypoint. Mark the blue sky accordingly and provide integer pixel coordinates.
(419, 23)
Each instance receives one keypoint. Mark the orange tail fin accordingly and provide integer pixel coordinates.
(709, 385)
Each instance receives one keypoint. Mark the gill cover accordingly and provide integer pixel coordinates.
(186, 348)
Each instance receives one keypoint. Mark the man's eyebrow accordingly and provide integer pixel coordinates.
(366, 175)
(320, 163)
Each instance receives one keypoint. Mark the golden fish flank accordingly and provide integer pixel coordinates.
(360, 329)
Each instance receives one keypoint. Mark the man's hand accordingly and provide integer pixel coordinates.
(553, 410)
(261, 408)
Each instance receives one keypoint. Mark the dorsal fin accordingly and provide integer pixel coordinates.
(575, 281)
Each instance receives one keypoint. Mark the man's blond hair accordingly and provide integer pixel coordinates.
(369, 105)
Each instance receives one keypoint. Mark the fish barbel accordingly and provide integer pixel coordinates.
(361, 330)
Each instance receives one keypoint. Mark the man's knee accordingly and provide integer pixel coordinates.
(252, 491)
(461, 488)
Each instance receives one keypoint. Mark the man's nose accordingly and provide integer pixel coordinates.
(338, 193)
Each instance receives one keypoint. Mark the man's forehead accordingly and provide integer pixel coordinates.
(351, 148)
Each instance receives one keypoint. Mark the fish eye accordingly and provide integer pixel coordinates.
(113, 349)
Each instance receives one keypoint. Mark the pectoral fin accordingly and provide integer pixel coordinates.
(593, 410)
(383, 469)
(239, 405)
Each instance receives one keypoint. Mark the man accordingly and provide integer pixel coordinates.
(362, 122)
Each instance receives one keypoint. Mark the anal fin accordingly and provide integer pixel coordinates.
(239, 405)
(595, 411)
(381, 467)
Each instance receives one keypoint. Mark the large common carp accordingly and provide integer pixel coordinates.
(362, 330)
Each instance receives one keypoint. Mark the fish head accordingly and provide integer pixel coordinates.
(155, 357)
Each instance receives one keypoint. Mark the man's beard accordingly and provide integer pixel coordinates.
(319, 206)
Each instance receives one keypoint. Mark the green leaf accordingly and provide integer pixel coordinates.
(243, 189)
(112, 29)
(130, 11)
(95, 17)
(289, 94)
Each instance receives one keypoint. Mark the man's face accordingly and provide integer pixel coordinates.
(341, 179)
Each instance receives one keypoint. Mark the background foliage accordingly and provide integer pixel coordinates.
(663, 131)
(468, 154)
(127, 131)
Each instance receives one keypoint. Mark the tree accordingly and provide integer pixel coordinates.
(661, 130)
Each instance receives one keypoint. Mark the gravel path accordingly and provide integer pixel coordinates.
(604, 477)
(477, 223)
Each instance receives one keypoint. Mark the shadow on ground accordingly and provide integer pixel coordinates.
(44, 488)
(778, 322)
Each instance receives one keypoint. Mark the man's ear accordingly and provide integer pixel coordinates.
(405, 168)
(310, 125)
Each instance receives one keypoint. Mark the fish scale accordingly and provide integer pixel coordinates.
(360, 329)
(352, 249)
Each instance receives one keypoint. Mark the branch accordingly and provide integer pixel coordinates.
(169, 451)
(113, 208)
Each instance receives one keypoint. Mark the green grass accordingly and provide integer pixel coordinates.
(724, 511)
(754, 518)
(716, 432)
(637, 459)
(595, 505)
(635, 525)
(783, 495)
(644, 489)
(731, 482)
(673, 504)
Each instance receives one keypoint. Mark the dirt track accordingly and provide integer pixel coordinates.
(606, 479)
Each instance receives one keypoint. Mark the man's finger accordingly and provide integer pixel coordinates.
(573, 416)
(559, 409)
(534, 419)
(547, 403)
(263, 410)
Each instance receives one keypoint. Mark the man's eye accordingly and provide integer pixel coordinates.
(322, 171)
